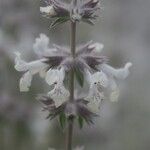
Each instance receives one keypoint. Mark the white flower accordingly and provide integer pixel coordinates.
(98, 81)
(120, 73)
(55, 76)
(30, 69)
(49, 10)
(25, 82)
(113, 74)
(59, 93)
(40, 46)
(113, 90)
(98, 47)
(103, 82)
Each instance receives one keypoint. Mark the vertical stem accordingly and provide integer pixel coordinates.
(71, 119)
(73, 49)
(73, 38)
(70, 134)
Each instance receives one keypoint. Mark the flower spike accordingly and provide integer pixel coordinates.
(59, 64)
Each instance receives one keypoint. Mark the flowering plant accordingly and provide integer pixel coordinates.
(60, 66)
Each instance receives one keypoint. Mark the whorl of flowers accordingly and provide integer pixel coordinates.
(54, 66)
(77, 10)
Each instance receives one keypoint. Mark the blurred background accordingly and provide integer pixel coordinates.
(124, 28)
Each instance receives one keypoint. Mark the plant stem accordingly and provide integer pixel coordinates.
(70, 134)
(71, 119)
(73, 49)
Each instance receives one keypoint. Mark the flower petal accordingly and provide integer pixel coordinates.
(121, 73)
(88, 76)
(93, 106)
(25, 82)
(49, 10)
(94, 98)
(51, 76)
(114, 91)
(36, 66)
(20, 65)
(59, 94)
(33, 66)
(41, 44)
(98, 78)
(55, 75)
(42, 73)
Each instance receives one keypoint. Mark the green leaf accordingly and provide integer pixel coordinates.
(80, 77)
(59, 21)
(62, 120)
(81, 122)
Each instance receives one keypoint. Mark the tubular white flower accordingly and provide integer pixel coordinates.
(113, 73)
(20, 65)
(41, 46)
(59, 94)
(98, 81)
(120, 73)
(95, 102)
(49, 10)
(55, 76)
(98, 47)
(25, 82)
(30, 68)
(114, 90)
(104, 81)
(98, 78)
(41, 43)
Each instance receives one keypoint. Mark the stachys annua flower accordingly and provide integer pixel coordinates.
(59, 93)
(104, 81)
(30, 69)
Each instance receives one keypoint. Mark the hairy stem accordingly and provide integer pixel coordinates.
(71, 119)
